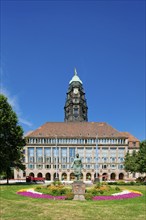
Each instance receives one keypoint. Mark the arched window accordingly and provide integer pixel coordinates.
(48, 176)
(64, 176)
(104, 176)
(31, 174)
(72, 176)
(88, 176)
(97, 175)
(121, 176)
(39, 175)
(113, 176)
(56, 175)
(24, 174)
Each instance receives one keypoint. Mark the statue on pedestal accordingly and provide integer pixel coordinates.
(77, 166)
(78, 186)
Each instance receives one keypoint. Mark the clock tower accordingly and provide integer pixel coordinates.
(75, 108)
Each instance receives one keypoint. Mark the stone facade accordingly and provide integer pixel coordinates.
(46, 155)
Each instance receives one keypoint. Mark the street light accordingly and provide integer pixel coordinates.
(96, 155)
(56, 158)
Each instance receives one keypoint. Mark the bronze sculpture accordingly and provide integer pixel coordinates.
(77, 166)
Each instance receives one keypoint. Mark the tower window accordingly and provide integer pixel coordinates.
(76, 111)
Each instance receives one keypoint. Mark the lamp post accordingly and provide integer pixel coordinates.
(96, 155)
(56, 160)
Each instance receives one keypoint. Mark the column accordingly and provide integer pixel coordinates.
(84, 176)
(43, 157)
(60, 176)
(52, 175)
(92, 176)
(51, 159)
(68, 176)
(68, 158)
(59, 152)
(35, 158)
(26, 155)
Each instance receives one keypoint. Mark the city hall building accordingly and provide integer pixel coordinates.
(50, 149)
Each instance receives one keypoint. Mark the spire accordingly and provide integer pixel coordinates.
(75, 72)
(75, 78)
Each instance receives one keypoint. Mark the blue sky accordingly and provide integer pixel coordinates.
(42, 42)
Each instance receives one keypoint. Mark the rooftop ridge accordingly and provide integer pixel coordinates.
(77, 130)
(130, 136)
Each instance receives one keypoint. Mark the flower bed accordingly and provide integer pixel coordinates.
(33, 194)
(126, 194)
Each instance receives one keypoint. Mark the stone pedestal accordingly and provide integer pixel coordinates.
(78, 188)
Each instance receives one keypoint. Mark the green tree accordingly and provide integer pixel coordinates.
(142, 157)
(11, 139)
(130, 162)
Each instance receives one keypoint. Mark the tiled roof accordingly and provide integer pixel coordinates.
(130, 136)
(27, 133)
(76, 130)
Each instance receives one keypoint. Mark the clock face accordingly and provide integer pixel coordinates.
(75, 90)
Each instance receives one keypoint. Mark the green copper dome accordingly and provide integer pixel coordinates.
(75, 78)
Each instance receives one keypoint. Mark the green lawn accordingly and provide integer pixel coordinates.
(17, 207)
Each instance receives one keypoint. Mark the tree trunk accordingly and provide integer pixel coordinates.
(7, 173)
(7, 180)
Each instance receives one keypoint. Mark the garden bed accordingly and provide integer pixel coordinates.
(96, 192)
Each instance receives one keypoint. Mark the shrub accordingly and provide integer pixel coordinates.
(61, 190)
(117, 188)
(65, 191)
(112, 183)
(88, 196)
(39, 187)
(132, 183)
(69, 196)
(98, 185)
(57, 183)
(94, 192)
(104, 183)
(121, 183)
(101, 192)
(104, 188)
(56, 190)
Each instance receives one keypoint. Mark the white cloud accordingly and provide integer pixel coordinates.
(25, 122)
(13, 101)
